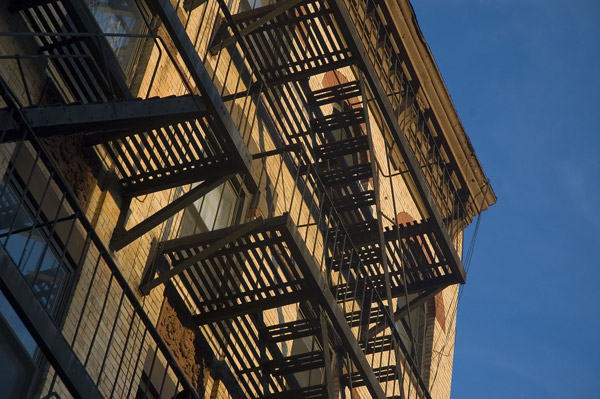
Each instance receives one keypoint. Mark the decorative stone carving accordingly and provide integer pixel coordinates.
(177, 330)
(71, 157)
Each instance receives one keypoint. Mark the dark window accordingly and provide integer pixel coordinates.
(215, 210)
(17, 351)
(28, 239)
(120, 17)
(414, 327)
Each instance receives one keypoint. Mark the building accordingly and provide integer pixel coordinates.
(243, 199)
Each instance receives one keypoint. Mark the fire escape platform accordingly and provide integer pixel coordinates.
(413, 251)
(102, 121)
(289, 61)
(80, 55)
(154, 144)
(265, 268)
(328, 32)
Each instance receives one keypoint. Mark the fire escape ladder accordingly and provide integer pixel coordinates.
(342, 153)
(347, 167)
(314, 364)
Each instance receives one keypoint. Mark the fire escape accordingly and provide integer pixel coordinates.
(334, 258)
(154, 144)
(330, 253)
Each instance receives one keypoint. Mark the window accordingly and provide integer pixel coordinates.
(32, 249)
(246, 5)
(157, 380)
(414, 326)
(213, 211)
(32, 242)
(120, 17)
(17, 351)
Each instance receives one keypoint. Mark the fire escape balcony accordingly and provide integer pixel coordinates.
(153, 143)
(45, 242)
(265, 265)
(292, 41)
(235, 279)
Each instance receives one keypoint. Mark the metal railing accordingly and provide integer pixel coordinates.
(105, 325)
(308, 204)
(377, 40)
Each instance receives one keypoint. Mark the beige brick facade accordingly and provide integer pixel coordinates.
(109, 323)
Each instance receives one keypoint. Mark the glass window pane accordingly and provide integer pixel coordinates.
(32, 250)
(17, 326)
(120, 17)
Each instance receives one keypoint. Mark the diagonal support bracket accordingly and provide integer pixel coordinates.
(404, 310)
(280, 9)
(122, 237)
(189, 262)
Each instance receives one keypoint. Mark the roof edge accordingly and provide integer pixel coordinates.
(436, 94)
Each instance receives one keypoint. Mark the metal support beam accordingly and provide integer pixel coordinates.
(122, 237)
(403, 311)
(189, 262)
(324, 337)
(216, 107)
(288, 148)
(256, 306)
(106, 121)
(319, 285)
(46, 334)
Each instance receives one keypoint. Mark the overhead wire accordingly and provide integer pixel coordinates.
(454, 309)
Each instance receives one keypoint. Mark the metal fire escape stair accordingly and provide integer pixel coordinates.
(154, 144)
(346, 164)
(335, 137)
(247, 270)
(329, 39)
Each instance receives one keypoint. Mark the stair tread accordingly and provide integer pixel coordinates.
(338, 120)
(336, 94)
(292, 330)
(354, 201)
(296, 363)
(381, 373)
(352, 145)
(311, 392)
(339, 176)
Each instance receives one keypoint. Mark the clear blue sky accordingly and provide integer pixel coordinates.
(525, 78)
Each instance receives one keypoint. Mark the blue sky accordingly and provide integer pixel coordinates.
(525, 79)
